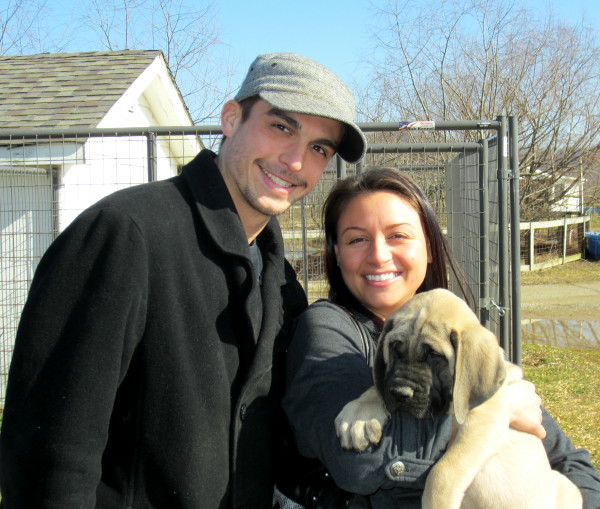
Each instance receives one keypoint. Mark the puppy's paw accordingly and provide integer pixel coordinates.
(361, 422)
(358, 435)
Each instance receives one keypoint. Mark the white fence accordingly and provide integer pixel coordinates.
(548, 243)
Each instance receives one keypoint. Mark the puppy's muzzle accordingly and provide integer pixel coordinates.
(408, 390)
(402, 393)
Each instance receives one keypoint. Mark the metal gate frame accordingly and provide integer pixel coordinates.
(506, 305)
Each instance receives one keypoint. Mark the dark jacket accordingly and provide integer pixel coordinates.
(146, 371)
(329, 365)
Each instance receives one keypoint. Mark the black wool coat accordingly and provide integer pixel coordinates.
(147, 370)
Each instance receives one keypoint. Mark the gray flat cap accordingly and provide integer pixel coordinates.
(298, 84)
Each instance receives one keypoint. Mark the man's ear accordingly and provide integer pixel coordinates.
(230, 117)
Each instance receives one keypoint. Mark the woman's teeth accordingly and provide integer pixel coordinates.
(382, 277)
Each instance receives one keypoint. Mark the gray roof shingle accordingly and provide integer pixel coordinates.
(66, 89)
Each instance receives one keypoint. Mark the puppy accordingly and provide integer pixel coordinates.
(434, 356)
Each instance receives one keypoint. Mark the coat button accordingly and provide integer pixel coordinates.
(243, 411)
(397, 469)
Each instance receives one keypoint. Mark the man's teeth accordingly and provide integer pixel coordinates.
(276, 179)
(381, 277)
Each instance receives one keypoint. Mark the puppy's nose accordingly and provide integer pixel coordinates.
(403, 392)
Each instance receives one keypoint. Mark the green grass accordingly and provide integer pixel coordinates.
(569, 384)
(580, 271)
(568, 380)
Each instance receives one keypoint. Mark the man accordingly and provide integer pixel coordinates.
(147, 369)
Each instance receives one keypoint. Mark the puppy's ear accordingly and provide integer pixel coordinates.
(479, 369)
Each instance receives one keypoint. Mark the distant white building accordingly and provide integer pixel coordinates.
(45, 182)
(80, 91)
(571, 191)
(564, 194)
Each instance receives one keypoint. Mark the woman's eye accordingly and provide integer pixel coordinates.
(356, 240)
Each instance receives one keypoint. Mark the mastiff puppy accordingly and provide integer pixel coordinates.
(434, 356)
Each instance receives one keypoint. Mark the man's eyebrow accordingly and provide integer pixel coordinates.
(294, 124)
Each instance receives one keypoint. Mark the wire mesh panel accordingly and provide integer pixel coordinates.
(473, 227)
(548, 243)
(464, 223)
(462, 182)
(47, 178)
(302, 231)
(26, 226)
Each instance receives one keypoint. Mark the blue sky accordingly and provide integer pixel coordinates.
(333, 32)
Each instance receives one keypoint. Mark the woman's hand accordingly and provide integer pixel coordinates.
(525, 405)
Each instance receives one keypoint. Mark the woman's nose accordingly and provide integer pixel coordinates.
(380, 251)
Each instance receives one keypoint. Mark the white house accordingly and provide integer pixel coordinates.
(568, 195)
(46, 181)
(564, 193)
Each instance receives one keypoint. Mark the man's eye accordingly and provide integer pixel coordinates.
(320, 149)
(282, 127)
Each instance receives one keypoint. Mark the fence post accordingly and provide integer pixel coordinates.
(341, 167)
(360, 166)
(531, 245)
(484, 242)
(515, 233)
(304, 245)
(564, 244)
(504, 268)
(151, 151)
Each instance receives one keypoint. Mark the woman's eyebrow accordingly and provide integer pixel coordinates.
(349, 228)
(388, 227)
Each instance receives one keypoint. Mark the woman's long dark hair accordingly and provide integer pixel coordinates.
(385, 179)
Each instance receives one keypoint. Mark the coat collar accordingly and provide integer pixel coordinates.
(220, 216)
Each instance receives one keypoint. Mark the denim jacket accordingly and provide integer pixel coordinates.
(328, 365)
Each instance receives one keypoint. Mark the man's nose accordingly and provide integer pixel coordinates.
(293, 156)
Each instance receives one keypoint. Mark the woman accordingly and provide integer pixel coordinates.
(384, 245)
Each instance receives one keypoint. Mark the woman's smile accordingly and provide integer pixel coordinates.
(382, 277)
(382, 250)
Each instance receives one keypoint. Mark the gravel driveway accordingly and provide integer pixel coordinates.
(578, 301)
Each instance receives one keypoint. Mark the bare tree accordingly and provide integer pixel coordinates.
(186, 35)
(21, 29)
(474, 59)
(185, 31)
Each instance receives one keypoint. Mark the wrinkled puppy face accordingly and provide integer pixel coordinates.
(416, 364)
